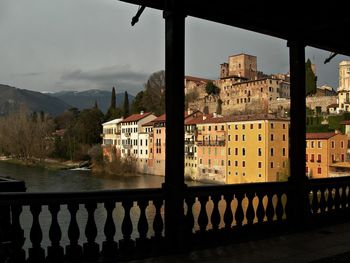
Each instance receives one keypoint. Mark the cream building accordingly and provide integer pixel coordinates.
(344, 86)
(111, 144)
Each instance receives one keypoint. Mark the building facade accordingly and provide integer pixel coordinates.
(344, 86)
(111, 144)
(323, 150)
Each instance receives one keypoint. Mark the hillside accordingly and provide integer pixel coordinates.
(86, 99)
(12, 98)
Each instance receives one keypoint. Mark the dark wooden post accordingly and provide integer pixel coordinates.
(297, 197)
(174, 81)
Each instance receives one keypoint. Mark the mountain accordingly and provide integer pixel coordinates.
(86, 99)
(12, 98)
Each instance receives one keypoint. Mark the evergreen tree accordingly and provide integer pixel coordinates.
(310, 79)
(137, 105)
(113, 100)
(126, 107)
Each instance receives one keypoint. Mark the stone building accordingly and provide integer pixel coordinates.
(344, 86)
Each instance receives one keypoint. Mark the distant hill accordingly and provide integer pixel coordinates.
(86, 99)
(12, 98)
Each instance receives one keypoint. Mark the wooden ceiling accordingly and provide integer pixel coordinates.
(324, 26)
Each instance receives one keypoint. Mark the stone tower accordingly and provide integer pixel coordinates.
(243, 65)
(344, 86)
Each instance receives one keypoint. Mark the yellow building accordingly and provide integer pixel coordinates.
(323, 150)
(257, 149)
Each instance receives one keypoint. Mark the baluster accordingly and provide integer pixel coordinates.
(250, 213)
(126, 244)
(239, 215)
(55, 251)
(330, 199)
(18, 253)
(109, 247)
(270, 212)
(142, 243)
(158, 220)
(337, 199)
(91, 249)
(322, 201)
(203, 217)
(260, 210)
(314, 203)
(343, 198)
(74, 251)
(228, 215)
(279, 207)
(36, 253)
(189, 215)
(215, 215)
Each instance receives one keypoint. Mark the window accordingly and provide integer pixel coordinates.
(229, 151)
(259, 137)
(243, 127)
(312, 144)
(319, 144)
(236, 151)
(236, 163)
(243, 137)
(342, 157)
(312, 158)
(271, 151)
(307, 158)
(251, 126)
(243, 151)
(229, 163)
(271, 125)
(229, 138)
(342, 144)
(283, 137)
(209, 128)
(222, 163)
(271, 164)
(283, 151)
(259, 125)
(222, 127)
(271, 137)
(236, 137)
(259, 151)
(141, 142)
(259, 164)
(216, 127)
(209, 162)
(243, 163)
(284, 125)
(236, 127)
(333, 158)
(333, 144)
(319, 170)
(200, 161)
(319, 158)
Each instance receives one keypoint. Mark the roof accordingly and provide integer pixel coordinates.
(115, 121)
(346, 122)
(334, 105)
(196, 79)
(136, 117)
(319, 135)
(294, 22)
(233, 118)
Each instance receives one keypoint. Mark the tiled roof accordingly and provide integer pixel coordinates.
(346, 122)
(136, 117)
(234, 118)
(161, 118)
(319, 135)
(334, 105)
(196, 79)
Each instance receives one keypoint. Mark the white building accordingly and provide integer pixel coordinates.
(111, 143)
(344, 86)
(130, 133)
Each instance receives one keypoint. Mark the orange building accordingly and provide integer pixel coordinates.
(323, 150)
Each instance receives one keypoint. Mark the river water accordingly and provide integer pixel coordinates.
(42, 180)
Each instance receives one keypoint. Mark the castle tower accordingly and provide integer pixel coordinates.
(344, 86)
(243, 65)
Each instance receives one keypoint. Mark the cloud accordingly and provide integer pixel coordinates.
(123, 77)
(28, 74)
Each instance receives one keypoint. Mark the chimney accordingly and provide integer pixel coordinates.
(141, 112)
(204, 117)
(189, 111)
(214, 114)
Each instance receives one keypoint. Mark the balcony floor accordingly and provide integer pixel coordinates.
(322, 245)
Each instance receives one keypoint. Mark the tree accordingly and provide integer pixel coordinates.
(154, 95)
(126, 107)
(212, 89)
(137, 104)
(310, 79)
(113, 112)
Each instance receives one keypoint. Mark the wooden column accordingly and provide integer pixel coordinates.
(297, 198)
(174, 80)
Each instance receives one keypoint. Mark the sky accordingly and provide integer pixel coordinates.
(60, 45)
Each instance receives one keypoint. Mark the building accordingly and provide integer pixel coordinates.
(111, 144)
(344, 86)
(323, 150)
(130, 131)
(211, 148)
(240, 65)
(257, 149)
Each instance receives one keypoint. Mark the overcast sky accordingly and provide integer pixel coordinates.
(86, 44)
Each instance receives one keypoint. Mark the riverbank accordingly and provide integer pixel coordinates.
(49, 164)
